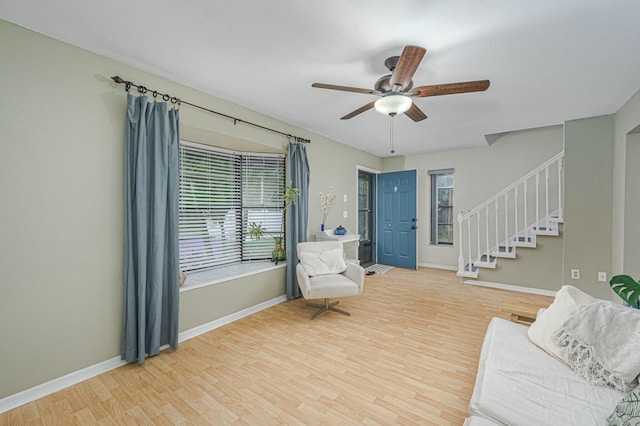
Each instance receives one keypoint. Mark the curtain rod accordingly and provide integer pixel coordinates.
(178, 101)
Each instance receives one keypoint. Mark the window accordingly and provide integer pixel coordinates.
(441, 206)
(221, 192)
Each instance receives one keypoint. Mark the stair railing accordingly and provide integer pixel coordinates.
(509, 215)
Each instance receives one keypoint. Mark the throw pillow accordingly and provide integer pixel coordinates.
(323, 263)
(628, 410)
(567, 301)
(601, 343)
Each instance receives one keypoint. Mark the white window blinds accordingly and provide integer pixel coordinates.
(262, 203)
(220, 193)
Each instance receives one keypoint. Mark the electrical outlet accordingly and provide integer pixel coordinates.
(602, 277)
(345, 214)
(575, 274)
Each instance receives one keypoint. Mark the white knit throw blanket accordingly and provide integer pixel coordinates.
(601, 343)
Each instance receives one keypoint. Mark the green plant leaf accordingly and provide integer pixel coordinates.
(627, 288)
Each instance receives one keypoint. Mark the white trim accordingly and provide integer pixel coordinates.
(367, 169)
(511, 287)
(436, 266)
(267, 268)
(29, 395)
(212, 325)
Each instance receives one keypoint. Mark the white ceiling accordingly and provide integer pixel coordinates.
(548, 60)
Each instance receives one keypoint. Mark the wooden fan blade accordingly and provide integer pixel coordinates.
(415, 113)
(407, 65)
(452, 88)
(360, 110)
(346, 89)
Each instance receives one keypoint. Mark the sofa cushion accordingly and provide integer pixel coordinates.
(323, 263)
(568, 300)
(519, 384)
(627, 412)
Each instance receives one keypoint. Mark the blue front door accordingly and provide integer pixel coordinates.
(397, 219)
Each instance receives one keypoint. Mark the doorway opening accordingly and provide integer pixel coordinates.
(366, 218)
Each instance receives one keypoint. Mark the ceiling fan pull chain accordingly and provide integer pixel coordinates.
(391, 134)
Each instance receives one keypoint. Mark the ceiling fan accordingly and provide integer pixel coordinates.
(396, 89)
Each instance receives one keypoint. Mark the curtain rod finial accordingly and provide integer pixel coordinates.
(118, 79)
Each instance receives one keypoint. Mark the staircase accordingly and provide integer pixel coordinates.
(511, 219)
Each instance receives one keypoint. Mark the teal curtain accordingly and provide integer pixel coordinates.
(151, 271)
(298, 214)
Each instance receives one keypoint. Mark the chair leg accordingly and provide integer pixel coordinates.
(326, 307)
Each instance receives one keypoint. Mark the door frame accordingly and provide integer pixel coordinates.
(374, 207)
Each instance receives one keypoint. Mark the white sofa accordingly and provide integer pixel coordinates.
(520, 384)
(578, 364)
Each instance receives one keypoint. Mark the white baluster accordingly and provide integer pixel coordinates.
(478, 227)
(486, 222)
(469, 241)
(526, 225)
(506, 221)
(496, 214)
(546, 196)
(537, 199)
(461, 252)
(560, 165)
(515, 204)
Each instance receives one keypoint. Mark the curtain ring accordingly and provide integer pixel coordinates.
(174, 100)
(165, 98)
(127, 86)
(155, 94)
(142, 89)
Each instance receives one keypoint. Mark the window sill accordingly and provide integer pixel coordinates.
(227, 273)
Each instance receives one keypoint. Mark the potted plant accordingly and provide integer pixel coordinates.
(627, 288)
(257, 231)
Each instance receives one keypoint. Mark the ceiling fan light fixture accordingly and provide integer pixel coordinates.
(393, 105)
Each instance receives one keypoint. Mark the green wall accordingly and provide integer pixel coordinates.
(588, 210)
(61, 221)
(626, 123)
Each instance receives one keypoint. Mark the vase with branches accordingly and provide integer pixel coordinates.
(257, 231)
(327, 201)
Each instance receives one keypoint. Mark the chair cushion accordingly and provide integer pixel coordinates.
(323, 263)
(332, 285)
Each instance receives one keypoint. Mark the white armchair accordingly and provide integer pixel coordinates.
(323, 273)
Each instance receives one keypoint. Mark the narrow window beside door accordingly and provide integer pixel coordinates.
(442, 206)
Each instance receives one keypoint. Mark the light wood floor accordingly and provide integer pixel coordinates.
(407, 355)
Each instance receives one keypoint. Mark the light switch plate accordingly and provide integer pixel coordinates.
(345, 214)
(602, 277)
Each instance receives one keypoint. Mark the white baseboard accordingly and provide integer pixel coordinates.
(436, 266)
(511, 287)
(28, 395)
(201, 329)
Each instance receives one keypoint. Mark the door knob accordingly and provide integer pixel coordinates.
(413, 227)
